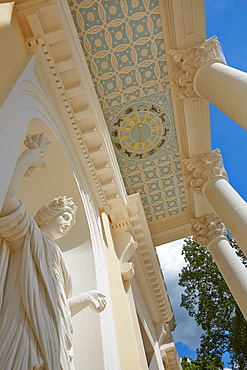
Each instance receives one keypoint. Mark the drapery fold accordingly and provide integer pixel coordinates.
(35, 325)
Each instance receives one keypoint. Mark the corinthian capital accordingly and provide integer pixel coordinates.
(207, 228)
(199, 171)
(189, 61)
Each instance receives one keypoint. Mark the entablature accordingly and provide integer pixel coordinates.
(51, 36)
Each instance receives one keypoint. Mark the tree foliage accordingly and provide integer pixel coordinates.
(207, 298)
(202, 363)
(188, 364)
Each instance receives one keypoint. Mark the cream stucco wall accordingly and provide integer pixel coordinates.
(40, 188)
(12, 44)
(128, 350)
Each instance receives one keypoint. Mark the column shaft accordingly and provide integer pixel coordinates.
(232, 270)
(226, 88)
(201, 71)
(230, 207)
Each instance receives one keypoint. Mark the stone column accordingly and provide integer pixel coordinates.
(207, 177)
(210, 232)
(201, 72)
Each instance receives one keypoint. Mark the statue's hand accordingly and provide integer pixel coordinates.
(36, 157)
(37, 145)
(97, 301)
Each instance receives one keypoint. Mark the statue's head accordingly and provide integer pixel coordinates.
(57, 217)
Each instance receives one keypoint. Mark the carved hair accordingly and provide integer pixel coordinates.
(56, 207)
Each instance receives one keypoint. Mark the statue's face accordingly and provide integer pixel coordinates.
(60, 225)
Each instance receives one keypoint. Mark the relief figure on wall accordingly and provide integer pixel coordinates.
(35, 286)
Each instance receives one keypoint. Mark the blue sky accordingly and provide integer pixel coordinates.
(227, 20)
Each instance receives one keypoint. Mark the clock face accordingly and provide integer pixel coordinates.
(140, 131)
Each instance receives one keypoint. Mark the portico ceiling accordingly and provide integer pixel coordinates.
(151, 131)
(124, 47)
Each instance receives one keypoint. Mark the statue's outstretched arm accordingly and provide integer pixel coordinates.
(30, 159)
(93, 299)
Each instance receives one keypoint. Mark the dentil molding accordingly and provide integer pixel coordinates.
(50, 35)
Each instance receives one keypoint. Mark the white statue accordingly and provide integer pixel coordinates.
(35, 285)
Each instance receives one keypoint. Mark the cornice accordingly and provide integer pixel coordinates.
(170, 356)
(50, 35)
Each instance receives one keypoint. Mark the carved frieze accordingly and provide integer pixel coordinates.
(199, 171)
(187, 63)
(207, 228)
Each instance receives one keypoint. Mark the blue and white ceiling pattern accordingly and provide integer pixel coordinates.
(124, 47)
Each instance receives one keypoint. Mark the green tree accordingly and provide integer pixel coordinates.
(187, 364)
(207, 298)
(202, 363)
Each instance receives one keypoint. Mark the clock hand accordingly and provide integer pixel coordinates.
(140, 131)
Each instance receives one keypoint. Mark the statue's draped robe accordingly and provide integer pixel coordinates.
(35, 325)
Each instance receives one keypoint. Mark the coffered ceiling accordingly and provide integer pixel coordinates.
(124, 47)
(110, 64)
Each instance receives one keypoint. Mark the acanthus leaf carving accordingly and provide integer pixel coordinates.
(207, 228)
(188, 62)
(199, 171)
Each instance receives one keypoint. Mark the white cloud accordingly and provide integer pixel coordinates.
(171, 262)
